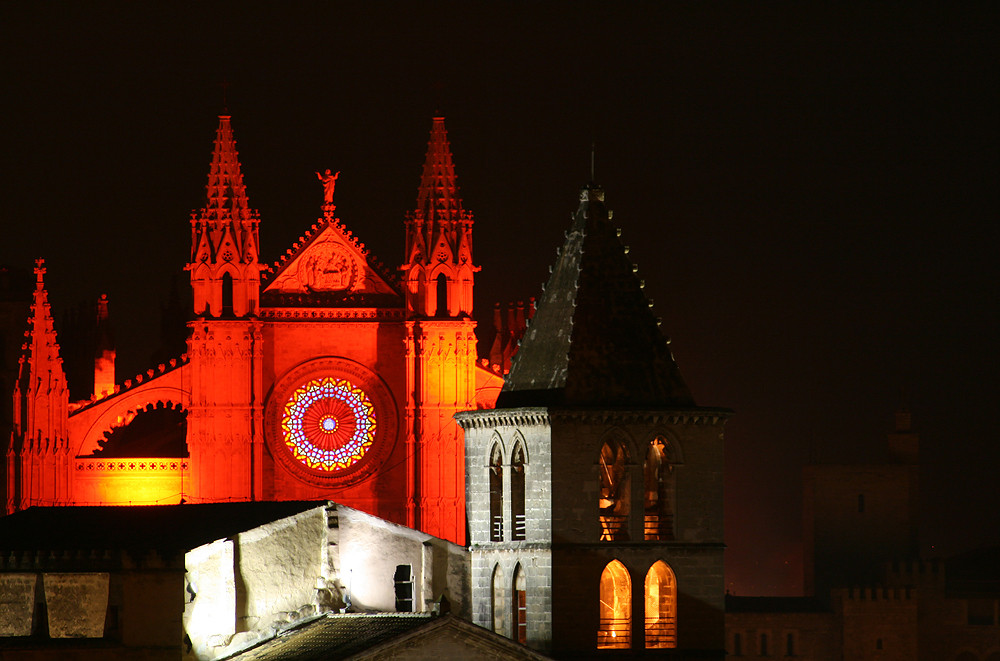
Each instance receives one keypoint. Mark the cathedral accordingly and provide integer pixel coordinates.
(330, 461)
(567, 498)
(325, 376)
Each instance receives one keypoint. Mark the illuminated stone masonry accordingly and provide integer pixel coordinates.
(326, 374)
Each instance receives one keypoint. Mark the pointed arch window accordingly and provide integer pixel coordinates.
(614, 498)
(661, 607)
(442, 296)
(496, 494)
(519, 606)
(517, 493)
(615, 630)
(496, 600)
(658, 475)
(227, 294)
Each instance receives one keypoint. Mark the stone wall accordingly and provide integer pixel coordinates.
(856, 519)
(562, 554)
(243, 588)
(815, 636)
(878, 623)
(366, 552)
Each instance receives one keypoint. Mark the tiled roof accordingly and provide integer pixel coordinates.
(334, 636)
(386, 635)
(594, 340)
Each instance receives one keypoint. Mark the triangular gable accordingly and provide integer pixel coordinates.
(329, 261)
(448, 637)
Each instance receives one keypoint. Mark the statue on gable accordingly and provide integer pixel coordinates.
(329, 183)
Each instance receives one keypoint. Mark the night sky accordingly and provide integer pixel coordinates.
(810, 194)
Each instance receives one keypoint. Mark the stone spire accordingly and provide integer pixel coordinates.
(227, 194)
(41, 403)
(437, 197)
(594, 341)
(439, 269)
(42, 350)
(224, 237)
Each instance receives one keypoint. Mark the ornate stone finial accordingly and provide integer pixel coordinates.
(329, 184)
(39, 272)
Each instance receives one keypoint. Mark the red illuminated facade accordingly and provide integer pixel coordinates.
(324, 376)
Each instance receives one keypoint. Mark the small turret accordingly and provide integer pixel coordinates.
(104, 353)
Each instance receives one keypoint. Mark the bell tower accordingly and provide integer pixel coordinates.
(225, 272)
(225, 437)
(595, 485)
(440, 342)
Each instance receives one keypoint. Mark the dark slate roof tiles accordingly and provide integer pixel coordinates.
(594, 340)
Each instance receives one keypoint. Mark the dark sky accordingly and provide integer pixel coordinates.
(810, 193)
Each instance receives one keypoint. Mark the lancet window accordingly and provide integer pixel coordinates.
(519, 606)
(496, 599)
(227, 294)
(615, 630)
(614, 498)
(658, 474)
(442, 296)
(661, 607)
(496, 494)
(517, 493)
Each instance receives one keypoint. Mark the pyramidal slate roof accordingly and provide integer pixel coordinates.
(594, 341)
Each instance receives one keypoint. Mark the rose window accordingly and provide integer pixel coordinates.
(328, 424)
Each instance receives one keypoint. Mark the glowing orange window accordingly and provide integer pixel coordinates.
(615, 630)
(661, 607)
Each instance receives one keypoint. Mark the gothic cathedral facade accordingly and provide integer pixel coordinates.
(324, 376)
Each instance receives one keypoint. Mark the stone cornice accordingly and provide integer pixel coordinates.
(692, 416)
(332, 314)
(545, 416)
(594, 546)
(510, 546)
(640, 545)
(502, 417)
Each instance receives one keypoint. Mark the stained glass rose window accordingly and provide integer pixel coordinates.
(328, 424)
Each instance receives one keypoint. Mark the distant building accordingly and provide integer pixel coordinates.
(872, 596)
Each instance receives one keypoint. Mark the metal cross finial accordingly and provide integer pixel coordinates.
(225, 102)
(593, 158)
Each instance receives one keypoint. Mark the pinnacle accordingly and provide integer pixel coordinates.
(41, 328)
(226, 190)
(438, 196)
